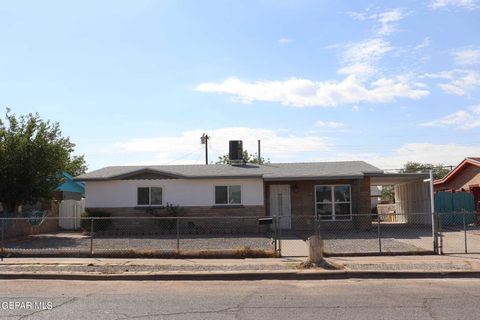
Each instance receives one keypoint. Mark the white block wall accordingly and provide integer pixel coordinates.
(182, 192)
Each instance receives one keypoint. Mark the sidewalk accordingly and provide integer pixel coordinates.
(239, 269)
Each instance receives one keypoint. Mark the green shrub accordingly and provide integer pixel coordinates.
(98, 224)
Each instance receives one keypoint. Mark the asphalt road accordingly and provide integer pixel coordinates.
(335, 299)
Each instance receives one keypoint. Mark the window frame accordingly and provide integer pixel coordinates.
(150, 196)
(228, 195)
(333, 203)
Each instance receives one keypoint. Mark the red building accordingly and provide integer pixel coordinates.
(465, 177)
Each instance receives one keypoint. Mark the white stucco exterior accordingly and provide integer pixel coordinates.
(182, 192)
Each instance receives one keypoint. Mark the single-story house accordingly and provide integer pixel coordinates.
(335, 191)
(465, 177)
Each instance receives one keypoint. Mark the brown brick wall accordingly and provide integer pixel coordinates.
(303, 202)
(209, 211)
(227, 222)
(470, 176)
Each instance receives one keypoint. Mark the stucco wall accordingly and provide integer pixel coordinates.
(182, 192)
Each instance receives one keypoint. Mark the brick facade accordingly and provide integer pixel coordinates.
(465, 179)
(303, 202)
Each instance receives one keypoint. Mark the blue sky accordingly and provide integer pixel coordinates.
(139, 81)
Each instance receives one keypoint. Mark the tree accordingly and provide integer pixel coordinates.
(439, 170)
(77, 165)
(248, 157)
(33, 155)
(388, 194)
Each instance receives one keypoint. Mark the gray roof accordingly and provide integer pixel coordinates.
(274, 171)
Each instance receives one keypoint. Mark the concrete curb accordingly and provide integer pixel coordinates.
(242, 276)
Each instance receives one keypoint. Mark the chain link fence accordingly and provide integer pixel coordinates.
(139, 236)
(361, 234)
(252, 236)
(458, 232)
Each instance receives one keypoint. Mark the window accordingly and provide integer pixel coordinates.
(228, 195)
(333, 202)
(149, 196)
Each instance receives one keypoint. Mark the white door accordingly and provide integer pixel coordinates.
(280, 204)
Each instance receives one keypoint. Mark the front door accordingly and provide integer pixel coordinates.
(280, 204)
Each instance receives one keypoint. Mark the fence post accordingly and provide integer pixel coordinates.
(178, 235)
(465, 230)
(440, 235)
(379, 232)
(3, 228)
(275, 235)
(279, 235)
(91, 236)
(432, 211)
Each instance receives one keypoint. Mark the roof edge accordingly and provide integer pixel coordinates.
(457, 168)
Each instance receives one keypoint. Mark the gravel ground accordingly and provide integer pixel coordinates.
(368, 245)
(394, 239)
(80, 243)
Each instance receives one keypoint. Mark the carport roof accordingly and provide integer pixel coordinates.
(274, 171)
(387, 179)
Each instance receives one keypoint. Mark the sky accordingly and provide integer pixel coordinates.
(138, 82)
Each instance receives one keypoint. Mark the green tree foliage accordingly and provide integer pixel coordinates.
(439, 171)
(33, 155)
(248, 157)
(77, 165)
(388, 194)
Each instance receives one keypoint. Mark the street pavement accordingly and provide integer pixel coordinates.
(328, 299)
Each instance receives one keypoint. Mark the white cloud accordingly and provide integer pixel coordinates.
(284, 40)
(297, 92)
(186, 148)
(360, 58)
(424, 44)
(356, 108)
(330, 124)
(447, 154)
(463, 119)
(467, 56)
(460, 82)
(463, 4)
(386, 20)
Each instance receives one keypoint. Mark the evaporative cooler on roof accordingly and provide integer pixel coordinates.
(235, 153)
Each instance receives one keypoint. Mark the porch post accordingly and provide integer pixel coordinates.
(432, 209)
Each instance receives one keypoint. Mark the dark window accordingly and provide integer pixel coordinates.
(333, 202)
(143, 196)
(156, 195)
(228, 195)
(221, 195)
(149, 196)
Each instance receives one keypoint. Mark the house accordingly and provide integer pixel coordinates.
(335, 191)
(70, 189)
(465, 177)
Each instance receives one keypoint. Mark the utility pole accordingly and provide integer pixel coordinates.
(204, 140)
